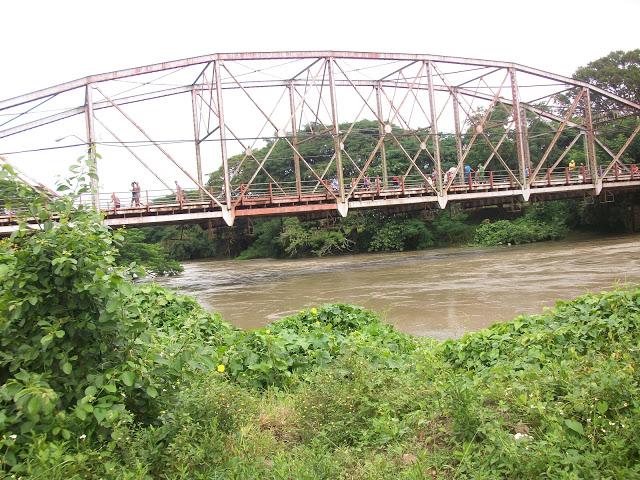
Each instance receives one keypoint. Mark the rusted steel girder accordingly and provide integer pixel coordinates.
(423, 84)
(288, 55)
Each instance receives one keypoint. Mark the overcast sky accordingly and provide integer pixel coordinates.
(45, 42)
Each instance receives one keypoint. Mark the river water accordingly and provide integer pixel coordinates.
(441, 293)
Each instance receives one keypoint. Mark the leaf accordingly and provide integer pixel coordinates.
(110, 387)
(67, 368)
(46, 340)
(34, 405)
(10, 458)
(90, 391)
(574, 425)
(602, 406)
(152, 392)
(100, 414)
(128, 378)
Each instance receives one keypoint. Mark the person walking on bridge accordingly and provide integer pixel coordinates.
(135, 194)
(179, 193)
(480, 173)
(115, 200)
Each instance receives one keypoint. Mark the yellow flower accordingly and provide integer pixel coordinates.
(314, 311)
(221, 368)
(267, 331)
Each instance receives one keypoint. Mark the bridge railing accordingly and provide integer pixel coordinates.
(418, 184)
(278, 192)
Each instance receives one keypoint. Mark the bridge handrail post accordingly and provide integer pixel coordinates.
(616, 170)
(146, 194)
(583, 174)
(402, 184)
(378, 186)
(270, 193)
(242, 192)
(470, 181)
(566, 176)
(491, 179)
(548, 177)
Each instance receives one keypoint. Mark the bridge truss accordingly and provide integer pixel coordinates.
(383, 127)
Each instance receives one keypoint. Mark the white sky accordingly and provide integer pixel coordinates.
(45, 42)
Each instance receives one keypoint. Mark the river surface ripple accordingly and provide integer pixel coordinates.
(440, 293)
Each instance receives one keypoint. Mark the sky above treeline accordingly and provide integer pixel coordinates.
(45, 43)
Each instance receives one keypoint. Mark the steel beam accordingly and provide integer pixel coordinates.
(159, 147)
(522, 143)
(292, 55)
(196, 137)
(223, 146)
(592, 159)
(337, 143)
(557, 134)
(382, 133)
(92, 159)
(294, 133)
(434, 132)
(458, 133)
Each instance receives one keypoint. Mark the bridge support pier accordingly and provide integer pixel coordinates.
(442, 200)
(228, 216)
(526, 193)
(598, 187)
(343, 208)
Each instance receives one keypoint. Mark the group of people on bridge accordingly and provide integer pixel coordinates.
(135, 196)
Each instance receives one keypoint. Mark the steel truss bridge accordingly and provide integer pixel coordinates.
(250, 118)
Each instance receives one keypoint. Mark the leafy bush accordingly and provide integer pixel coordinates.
(524, 230)
(300, 239)
(82, 348)
(401, 234)
(585, 323)
(451, 228)
(266, 243)
(133, 248)
(313, 338)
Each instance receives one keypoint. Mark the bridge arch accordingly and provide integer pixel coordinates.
(386, 129)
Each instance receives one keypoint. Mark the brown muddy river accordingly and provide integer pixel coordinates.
(441, 293)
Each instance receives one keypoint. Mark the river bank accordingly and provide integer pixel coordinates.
(104, 378)
(440, 293)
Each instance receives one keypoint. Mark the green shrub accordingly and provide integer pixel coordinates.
(524, 230)
(401, 234)
(313, 338)
(82, 349)
(151, 256)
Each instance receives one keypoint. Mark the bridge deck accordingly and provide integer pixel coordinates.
(163, 209)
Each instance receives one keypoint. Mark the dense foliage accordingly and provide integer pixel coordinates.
(547, 221)
(332, 392)
(83, 350)
(151, 256)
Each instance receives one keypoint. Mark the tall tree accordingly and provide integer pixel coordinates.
(618, 72)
